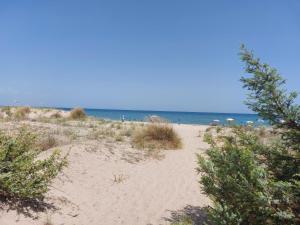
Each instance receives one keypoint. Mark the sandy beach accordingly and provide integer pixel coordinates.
(108, 181)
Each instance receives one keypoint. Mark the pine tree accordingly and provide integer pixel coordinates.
(252, 181)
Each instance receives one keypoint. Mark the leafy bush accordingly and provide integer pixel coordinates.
(250, 181)
(160, 136)
(77, 114)
(22, 173)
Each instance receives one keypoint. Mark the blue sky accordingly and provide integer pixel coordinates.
(158, 54)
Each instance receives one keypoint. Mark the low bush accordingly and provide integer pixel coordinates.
(47, 141)
(77, 114)
(22, 173)
(157, 135)
(21, 112)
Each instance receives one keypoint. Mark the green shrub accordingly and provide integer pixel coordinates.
(77, 114)
(251, 182)
(185, 220)
(22, 173)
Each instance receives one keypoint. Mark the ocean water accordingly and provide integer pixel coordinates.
(203, 118)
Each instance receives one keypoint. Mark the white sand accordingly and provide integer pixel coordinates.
(100, 187)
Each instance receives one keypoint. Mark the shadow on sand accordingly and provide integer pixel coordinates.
(27, 207)
(195, 213)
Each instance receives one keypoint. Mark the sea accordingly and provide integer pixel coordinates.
(203, 118)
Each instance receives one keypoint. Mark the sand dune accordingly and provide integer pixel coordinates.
(109, 185)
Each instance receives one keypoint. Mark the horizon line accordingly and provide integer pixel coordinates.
(142, 110)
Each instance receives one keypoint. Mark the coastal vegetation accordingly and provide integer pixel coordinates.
(250, 174)
(77, 114)
(251, 181)
(21, 112)
(157, 136)
(22, 174)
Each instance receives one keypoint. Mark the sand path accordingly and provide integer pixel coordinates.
(150, 192)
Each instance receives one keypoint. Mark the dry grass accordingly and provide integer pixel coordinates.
(77, 114)
(120, 178)
(101, 133)
(6, 110)
(48, 221)
(48, 141)
(119, 138)
(21, 112)
(157, 136)
(56, 115)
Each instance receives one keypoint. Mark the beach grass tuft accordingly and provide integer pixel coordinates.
(157, 136)
(77, 114)
(21, 112)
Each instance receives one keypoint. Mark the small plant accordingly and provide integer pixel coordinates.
(22, 174)
(7, 110)
(96, 134)
(184, 220)
(77, 114)
(207, 137)
(127, 132)
(47, 141)
(119, 178)
(160, 136)
(70, 133)
(56, 115)
(21, 112)
(48, 221)
(119, 138)
(118, 126)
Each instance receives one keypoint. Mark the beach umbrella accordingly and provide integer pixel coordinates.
(215, 122)
(230, 120)
(249, 123)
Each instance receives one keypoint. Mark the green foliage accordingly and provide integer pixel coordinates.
(185, 220)
(249, 181)
(22, 173)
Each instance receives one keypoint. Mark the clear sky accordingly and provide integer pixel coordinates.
(143, 54)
